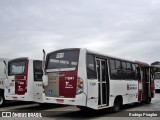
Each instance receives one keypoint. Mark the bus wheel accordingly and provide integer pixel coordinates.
(117, 105)
(2, 100)
(148, 101)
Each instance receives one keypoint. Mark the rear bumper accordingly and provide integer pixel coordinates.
(25, 97)
(78, 100)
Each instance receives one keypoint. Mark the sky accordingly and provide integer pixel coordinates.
(127, 29)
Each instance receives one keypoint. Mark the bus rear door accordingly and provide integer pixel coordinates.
(98, 82)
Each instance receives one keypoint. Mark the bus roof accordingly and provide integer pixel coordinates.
(22, 58)
(138, 62)
(105, 55)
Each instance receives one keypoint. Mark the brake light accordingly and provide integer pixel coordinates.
(79, 85)
(60, 100)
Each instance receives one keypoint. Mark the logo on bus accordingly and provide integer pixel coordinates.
(68, 85)
(50, 92)
(20, 89)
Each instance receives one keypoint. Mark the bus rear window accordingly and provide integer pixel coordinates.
(157, 76)
(16, 67)
(63, 59)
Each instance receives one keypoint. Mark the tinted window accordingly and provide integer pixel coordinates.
(118, 69)
(157, 76)
(128, 70)
(138, 74)
(63, 59)
(133, 71)
(112, 64)
(37, 70)
(115, 69)
(112, 69)
(16, 67)
(124, 70)
(91, 72)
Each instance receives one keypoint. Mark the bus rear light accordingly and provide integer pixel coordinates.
(14, 97)
(79, 86)
(59, 100)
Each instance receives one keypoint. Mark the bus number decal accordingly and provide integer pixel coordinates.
(132, 86)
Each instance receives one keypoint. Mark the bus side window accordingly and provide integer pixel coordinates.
(138, 74)
(133, 71)
(112, 69)
(129, 72)
(118, 69)
(91, 71)
(38, 70)
(124, 69)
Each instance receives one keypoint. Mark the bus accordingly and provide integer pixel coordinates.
(157, 80)
(3, 61)
(87, 79)
(156, 75)
(24, 80)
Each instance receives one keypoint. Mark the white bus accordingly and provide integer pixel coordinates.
(157, 80)
(3, 61)
(24, 80)
(156, 65)
(89, 79)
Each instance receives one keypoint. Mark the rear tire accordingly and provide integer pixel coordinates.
(148, 101)
(117, 105)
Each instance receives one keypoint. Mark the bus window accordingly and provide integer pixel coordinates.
(37, 70)
(129, 76)
(133, 71)
(112, 69)
(157, 76)
(91, 71)
(138, 74)
(118, 69)
(124, 69)
(63, 60)
(16, 67)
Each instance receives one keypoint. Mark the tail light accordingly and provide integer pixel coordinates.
(79, 86)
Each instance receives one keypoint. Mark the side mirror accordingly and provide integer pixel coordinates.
(43, 62)
(45, 80)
